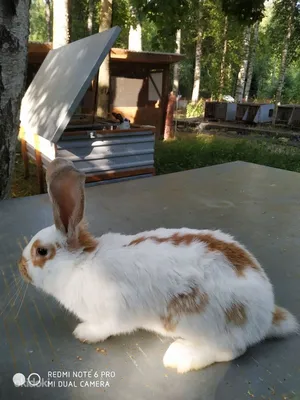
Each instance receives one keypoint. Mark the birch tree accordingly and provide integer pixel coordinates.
(244, 65)
(48, 19)
(135, 32)
(224, 53)
(90, 16)
(251, 60)
(104, 74)
(14, 27)
(176, 70)
(61, 33)
(198, 54)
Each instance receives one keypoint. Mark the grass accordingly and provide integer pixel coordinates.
(190, 152)
(202, 150)
(22, 187)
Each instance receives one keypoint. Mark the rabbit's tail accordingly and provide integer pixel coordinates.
(283, 324)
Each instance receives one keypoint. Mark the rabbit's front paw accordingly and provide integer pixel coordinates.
(186, 356)
(177, 356)
(89, 333)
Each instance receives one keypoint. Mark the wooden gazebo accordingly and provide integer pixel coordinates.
(139, 86)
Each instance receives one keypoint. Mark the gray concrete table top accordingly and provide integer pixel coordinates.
(258, 205)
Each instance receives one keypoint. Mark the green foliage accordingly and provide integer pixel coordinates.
(195, 109)
(151, 38)
(186, 74)
(266, 66)
(166, 15)
(121, 17)
(161, 19)
(78, 19)
(38, 26)
(291, 91)
(277, 27)
(202, 151)
(268, 55)
(212, 47)
(246, 11)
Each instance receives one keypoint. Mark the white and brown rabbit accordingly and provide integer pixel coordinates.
(201, 287)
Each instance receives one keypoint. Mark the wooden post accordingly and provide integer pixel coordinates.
(169, 130)
(39, 170)
(39, 163)
(25, 158)
(24, 152)
(290, 121)
(95, 83)
(164, 99)
(104, 70)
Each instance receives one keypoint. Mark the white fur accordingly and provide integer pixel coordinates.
(118, 289)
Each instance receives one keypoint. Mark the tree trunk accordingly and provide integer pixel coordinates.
(223, 61)
(169, 129)
(135, 33)
(14, 28)
(48, 19)
(197, 71)
(135, 38)
(251, 61)
(284, 57)
(61, 34)
(90, 17)
(176, 70)
(104, 75)
(244, 65)
(198, 54)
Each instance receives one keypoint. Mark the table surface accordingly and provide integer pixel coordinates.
(258, 205)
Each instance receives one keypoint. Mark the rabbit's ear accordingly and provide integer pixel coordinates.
(66, 191)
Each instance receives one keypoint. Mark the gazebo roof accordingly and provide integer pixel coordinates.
(61, 82)
(37, 52)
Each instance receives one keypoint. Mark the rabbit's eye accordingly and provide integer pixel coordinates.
(41, 251)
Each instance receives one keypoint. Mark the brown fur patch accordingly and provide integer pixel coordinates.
(279, 315)
(85, 240)
(38, 260)
(237, 256)
(24, 270)
(236, 314)
(66, 191)
(138, 240)
(193, 302)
